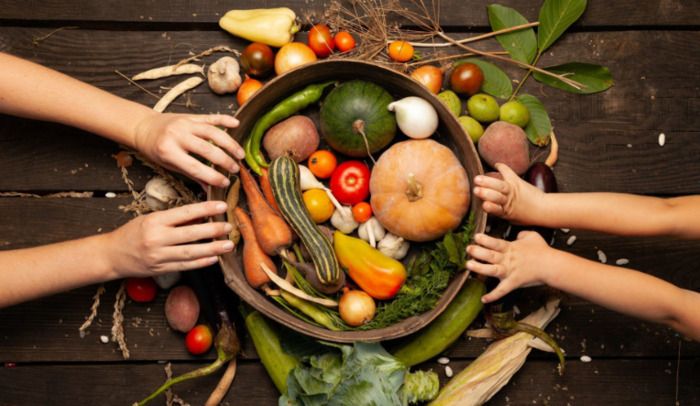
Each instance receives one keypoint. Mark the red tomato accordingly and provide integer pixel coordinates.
(198, 340)
(362, 212)
(350, 182)
(142, 290)
(257, 59)
(322, 163)
(344, 41)
(321, 40)
(466, 78)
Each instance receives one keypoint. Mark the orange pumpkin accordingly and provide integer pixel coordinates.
(420, 190)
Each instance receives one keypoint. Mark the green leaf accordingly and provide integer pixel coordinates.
(522, 44)
(496, 82)
(555, 17)
(595, 78)
(539, 128)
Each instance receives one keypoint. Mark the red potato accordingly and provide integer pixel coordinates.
(507, 144)
(182, 309)
(296, 136)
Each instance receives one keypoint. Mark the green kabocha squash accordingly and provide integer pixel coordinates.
(356, 110)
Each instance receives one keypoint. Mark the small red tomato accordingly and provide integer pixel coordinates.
(466, 78)
(344, 41)
(350, 182)
(321, 40)
(142, 290)
(362, 212)
(322, 163)
(198, 340)
(257, 59)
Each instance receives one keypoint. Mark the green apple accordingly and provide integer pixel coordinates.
(483, 107)
(451, 100)
(515, 112)
(472, 127)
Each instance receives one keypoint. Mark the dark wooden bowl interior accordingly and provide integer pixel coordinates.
(450, 133)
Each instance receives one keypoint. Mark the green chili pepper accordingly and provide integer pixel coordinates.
(292, 104)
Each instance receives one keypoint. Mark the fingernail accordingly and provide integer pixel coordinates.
(240, 154)
(477, 178)
(220, 207)
(228, 227)
(213, 260)
(227, 246)
(225, 182)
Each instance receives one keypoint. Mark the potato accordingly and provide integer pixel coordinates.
(296, 136)
(182, 308)
(505, 143)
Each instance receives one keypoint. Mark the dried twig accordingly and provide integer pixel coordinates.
(118, 321)
(36, 41)
(219, 48)
(477, 37)
(93, 310)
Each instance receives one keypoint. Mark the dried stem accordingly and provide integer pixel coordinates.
(475, 38)
(564, 79)
(118, 321)
(219, 48)
(93, 310)
(37, 40)
(451, 57)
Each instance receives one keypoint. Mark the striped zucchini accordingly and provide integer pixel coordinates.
(284, 179)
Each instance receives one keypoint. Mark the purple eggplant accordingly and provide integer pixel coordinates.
(542, 177)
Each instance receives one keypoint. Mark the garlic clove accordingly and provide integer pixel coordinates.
(159, 193)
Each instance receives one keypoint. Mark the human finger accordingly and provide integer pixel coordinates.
(498, 292)
(221, 138)
(209, 151)
(191, 252)
(223, 120)
(484, 254)
(490, 195)
(483, 269)
(199, 171)
(194, 211)
(493, 208)
(188, 265)
(197, 232)
(492, 183)
(490, 242)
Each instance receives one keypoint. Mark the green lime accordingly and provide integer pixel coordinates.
(515, 112)
(483, 108)
(451, 100)
(472, 127)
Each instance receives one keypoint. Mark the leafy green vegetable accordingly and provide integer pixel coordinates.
(496, 82)
(522, 44)
(429, 273)
(555, 17)
(595, 78)
(363, 374)
(539, 128)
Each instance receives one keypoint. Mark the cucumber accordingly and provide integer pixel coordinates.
(284, 180)
(278, 363)
(446, 328)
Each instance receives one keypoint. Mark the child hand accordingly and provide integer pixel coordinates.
(169, 139)
(166, 241)
(510, 198)
(520, 263)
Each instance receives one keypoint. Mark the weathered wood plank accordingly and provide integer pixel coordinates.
(610, 382)
(608, 141)
(452, 14)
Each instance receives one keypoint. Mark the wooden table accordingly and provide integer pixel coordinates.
(608, 143)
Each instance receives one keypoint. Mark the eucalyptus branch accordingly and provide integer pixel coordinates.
(572, 83)
(475, 38)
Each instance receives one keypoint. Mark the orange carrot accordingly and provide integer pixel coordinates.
(272, 231)
(253, 254)
(267, 190)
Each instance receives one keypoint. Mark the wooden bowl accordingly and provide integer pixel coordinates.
(450, 133)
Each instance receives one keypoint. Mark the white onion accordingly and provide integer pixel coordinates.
(415, 116)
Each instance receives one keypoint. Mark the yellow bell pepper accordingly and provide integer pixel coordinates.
(375, 273)
(271, 26)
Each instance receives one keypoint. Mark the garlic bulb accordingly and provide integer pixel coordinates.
(224, 75)
(371, 231)
(159, 194)
(343, 221)
(393, 246)
(415, 116)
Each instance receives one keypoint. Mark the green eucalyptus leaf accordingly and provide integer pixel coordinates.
(539, 128)
(555, 17)
(496, 82)
(595, 78)
(521, 44)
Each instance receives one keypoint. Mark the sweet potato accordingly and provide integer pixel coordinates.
(505, 143)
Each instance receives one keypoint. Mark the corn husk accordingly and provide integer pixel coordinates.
(492, 370)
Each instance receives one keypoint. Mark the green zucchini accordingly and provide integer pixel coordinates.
(446, 328)
(284, 180)
(277, 362)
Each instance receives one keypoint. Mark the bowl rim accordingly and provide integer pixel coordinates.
(231, 266)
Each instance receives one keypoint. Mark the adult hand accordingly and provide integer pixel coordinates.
(167, 241)
(170, 139)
